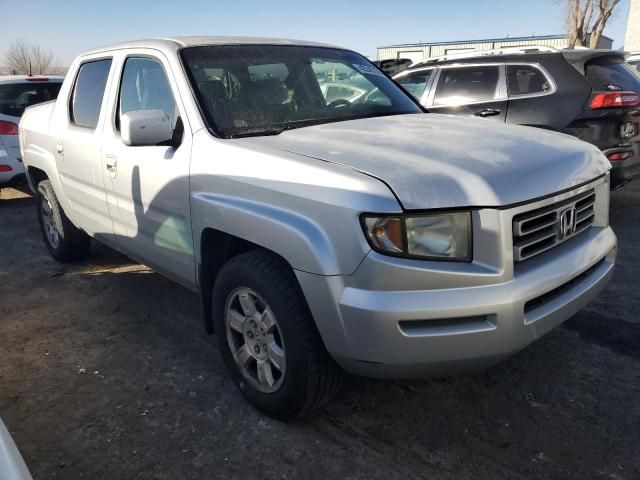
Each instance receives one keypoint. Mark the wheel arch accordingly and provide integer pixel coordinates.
(216, 248)
(34, 176)
(298, 239)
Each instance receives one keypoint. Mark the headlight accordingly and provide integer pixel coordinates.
(438, 236)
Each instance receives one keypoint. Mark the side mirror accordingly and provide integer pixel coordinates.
(145, 127)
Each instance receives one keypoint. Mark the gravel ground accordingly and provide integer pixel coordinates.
(106, 373)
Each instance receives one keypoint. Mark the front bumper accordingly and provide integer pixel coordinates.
(404, 334)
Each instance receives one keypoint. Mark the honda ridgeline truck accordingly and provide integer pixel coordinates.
(328, 223)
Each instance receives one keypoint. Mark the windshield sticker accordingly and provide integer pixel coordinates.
(368, 70)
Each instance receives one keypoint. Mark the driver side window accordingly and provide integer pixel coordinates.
(145, 86)
(340, 82)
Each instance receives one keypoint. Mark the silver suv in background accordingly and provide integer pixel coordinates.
(18, 92)
(322, 233)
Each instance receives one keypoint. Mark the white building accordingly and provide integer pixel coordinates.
(422, 51)
(632, 39)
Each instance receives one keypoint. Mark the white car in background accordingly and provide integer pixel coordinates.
(18, 92)
(634, 61)
(12, 466)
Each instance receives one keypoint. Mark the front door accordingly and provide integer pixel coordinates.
(475, 90)
(148, 193)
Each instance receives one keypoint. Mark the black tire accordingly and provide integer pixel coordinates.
(311, 377)
(73, 244)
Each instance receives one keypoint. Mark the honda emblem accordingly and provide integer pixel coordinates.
(567, 223)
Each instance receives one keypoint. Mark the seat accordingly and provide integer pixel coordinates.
(262, 101)
(215, 96)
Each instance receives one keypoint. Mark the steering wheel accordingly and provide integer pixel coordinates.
(340, 103)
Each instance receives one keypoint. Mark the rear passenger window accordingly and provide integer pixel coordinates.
(145, 87)
(415, 83)
(458, 86)
(88, 92)
(525, 80)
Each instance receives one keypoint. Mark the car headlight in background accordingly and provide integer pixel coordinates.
(437, 236)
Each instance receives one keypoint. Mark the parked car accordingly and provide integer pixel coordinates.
(393, 65)
(590, 94)
(18, 92)
(321, 235)
(12, 466)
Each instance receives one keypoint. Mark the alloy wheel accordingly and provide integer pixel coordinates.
(51, 229)
(255, 340)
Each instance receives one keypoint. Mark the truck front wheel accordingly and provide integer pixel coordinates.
(267, 337)
(63, 239)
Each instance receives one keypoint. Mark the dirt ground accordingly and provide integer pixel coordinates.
(106, 373)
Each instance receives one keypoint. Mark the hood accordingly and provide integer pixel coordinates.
(442, 161)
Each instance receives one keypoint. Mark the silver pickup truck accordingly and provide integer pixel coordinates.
(327, 222)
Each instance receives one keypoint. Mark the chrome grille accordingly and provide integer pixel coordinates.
(539, 230)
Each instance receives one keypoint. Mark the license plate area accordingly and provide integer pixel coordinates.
(629, 130)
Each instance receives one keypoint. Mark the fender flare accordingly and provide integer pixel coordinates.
(44, 160)
(296, 238)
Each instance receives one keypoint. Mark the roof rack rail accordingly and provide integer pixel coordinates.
(496, 51)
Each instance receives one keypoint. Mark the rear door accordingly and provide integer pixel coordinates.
(79, 150)
(470, 90)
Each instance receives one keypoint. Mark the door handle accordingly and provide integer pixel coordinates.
(111, 163)
(487, 112)
(59, 148)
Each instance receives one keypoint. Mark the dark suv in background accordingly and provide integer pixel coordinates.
(590, 94)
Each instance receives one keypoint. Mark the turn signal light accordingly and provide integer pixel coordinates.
(619, 156)
(8, 128)
(615, 100)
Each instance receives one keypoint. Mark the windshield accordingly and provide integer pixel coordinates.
(248, 90)
(15, 97)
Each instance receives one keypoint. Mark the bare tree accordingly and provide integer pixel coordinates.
(605, 9)
(586, 20)
(28, 59)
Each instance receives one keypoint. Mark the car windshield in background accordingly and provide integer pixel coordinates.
(248, 90)
(15, 97)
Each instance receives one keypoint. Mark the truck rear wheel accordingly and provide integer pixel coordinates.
(268, 339)
(63, 239)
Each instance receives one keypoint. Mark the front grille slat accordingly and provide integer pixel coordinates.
(529, 240)
(583, 216)
(539, 230)
(541, 222)
(585, 208)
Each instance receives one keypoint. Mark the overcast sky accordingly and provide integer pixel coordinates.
(71, 26)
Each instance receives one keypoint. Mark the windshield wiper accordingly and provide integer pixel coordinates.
(262, 131)
(258, 132)
(277, 129)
